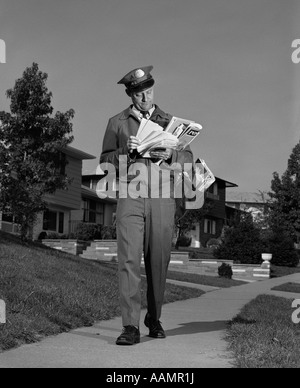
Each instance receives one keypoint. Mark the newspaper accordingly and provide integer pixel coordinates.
(185, 130)
(152, 136)
(204, 177)
(202, 180)
(178, 135)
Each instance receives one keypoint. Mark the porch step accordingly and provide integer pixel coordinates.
(104, 250)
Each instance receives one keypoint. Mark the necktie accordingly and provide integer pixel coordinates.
(145, 115)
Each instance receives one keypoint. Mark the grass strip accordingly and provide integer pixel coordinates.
(48, 292)
(264, 336)
(288, 287)
(277, 272)
(204, 279)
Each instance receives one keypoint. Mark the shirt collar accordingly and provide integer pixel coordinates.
(129, 112)
(139, 114)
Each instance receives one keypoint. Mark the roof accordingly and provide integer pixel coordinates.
(78, 154)
(247, 197)
(92, 194)
(94, 173)
(232, 209)
(227, 183)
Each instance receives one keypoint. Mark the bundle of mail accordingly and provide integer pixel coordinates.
(194, 187)
(178, 135)
(203, 177)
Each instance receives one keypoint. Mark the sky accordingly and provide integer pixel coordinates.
(225, 64)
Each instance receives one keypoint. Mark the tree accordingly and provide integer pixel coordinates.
(242, 242)
(186, 219)
(261, 217)
(285, 196)
(281, 245)
(31, 143)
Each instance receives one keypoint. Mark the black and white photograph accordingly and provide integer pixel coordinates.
(150, 187)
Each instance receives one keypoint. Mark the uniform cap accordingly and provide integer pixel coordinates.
(138, 80)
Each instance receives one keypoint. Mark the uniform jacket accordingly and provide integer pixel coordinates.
(126, 124)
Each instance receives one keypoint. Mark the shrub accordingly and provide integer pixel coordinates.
(108, 233)
(53, 236)
(281, 245)
(225, 271)
(213, 243)
(42, 236)
(85, 232)
(88, 232)
(184, 241)
(242, 243)
(201, 254)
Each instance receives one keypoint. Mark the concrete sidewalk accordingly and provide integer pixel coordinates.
(195, 336)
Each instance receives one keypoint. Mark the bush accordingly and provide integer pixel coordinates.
(201, 254)
(54, 236)
(85, 232)
(281, 245)
(241, 243)
(42, 236)
(184, 241)
(108, 233)
(88, 232)
(213, 243)
(225, 271)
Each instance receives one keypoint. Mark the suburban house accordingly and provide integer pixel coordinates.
(211, 225)
(93, 209)
(67, 208)
(254, 203)
(81, 203)
(220, 215)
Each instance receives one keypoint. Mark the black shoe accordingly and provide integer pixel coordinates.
(155, 328)
(130, 336)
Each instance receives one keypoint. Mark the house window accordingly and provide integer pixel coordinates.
(7, 218)
(50, 220)
(210, 226)
(106, 186)
(100, 213)
(214, 189)
(85, 207)
(93, 212)
(93, 184)
(61, 223)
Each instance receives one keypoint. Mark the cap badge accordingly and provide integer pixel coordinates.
(139, 73)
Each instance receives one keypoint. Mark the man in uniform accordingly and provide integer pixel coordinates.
(143, 224)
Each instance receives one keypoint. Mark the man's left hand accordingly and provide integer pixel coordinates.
(165, 154)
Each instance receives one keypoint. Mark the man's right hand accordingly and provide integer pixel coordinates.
(133, 143)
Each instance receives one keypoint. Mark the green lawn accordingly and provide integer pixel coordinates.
(277, 272)
(48, 292)
(264, 336)
(202, 279)
(288, 287)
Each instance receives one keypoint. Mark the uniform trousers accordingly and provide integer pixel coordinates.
(143, 225)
